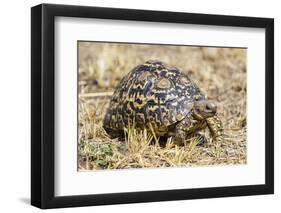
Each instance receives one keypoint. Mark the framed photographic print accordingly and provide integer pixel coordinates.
(139, 106)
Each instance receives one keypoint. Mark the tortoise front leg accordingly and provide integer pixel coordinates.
(182, 129)
(215, 126)
(187, 129)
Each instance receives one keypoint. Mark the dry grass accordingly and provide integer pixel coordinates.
(219, 72)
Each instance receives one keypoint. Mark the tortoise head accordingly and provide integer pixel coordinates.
(204, 109)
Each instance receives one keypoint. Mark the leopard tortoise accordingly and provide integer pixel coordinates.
(159, 97)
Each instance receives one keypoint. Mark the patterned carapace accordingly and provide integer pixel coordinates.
(153, 95)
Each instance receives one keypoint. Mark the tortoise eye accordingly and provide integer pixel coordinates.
(211, 106)
(197, 97)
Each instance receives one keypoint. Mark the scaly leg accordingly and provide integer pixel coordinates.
(215, 126)
(187, 129)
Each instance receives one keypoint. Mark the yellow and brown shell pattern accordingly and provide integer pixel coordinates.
(151, 95)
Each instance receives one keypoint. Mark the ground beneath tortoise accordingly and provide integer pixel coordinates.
(219, 72)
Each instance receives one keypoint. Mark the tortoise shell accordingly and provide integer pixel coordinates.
(153, 94)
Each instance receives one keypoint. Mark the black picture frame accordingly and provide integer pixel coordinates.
(43, 102)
